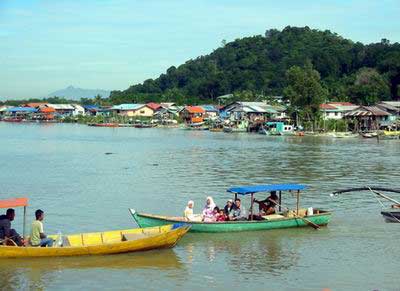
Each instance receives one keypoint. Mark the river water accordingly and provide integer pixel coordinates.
(64, 170)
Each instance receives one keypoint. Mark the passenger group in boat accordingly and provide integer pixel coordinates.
(231, 211)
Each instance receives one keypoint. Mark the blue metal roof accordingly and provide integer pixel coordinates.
(266, 188)
(210, 108)
(22, 109)
(127, 106)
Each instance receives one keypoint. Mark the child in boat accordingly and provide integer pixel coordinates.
(221, 216)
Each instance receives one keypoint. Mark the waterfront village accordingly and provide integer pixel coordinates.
(338, 119)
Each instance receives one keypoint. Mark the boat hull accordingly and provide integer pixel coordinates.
(391, 216)
(152, 238)
(148, 220)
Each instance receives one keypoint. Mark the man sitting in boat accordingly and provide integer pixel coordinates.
(38, 238)
(229, 207)
(6, 232)
(267, 206)
(239, 213)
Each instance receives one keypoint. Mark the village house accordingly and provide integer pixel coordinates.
(336, 110)
(366, 118)
(253, 111)
(79, 110)
(392, 107)
(133, 110)
(210, 111)
(154, 106)
(192, 114)
(62, 109)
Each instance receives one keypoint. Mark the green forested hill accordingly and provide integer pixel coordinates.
(257, 66)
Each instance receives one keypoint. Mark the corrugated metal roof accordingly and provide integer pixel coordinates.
(22, 109)
(61, 106)
(127, 106)
(367, 111)
(209, 108)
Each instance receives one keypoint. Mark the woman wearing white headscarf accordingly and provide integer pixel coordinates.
(208, 211)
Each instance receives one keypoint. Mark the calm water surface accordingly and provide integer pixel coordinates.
(64, 170)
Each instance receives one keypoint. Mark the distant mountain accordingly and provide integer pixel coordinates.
(72, 92)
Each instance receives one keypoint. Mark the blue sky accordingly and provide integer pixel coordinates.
(48, 45)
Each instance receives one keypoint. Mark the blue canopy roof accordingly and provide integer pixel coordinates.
(22, 109)
(243, 190)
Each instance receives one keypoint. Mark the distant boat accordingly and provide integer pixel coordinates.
(104, 124)
(343, 134)
(392, 215)
(13, 119)
(277, 128)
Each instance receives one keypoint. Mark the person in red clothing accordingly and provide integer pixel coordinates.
(220, 216)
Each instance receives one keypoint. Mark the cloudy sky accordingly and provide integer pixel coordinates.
(48, 45)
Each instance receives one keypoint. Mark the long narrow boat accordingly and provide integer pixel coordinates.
(97, 243)
(282, 219)
(390, 215)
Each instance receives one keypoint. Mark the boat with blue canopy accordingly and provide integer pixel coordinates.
(283, 216)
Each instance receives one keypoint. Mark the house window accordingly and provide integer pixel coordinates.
(141, 111)
(336, 113)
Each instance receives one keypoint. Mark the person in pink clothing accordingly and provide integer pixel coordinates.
(208, 210)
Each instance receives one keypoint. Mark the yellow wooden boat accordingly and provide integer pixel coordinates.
(97, 243)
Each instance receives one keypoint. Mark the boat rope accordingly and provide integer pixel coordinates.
(382, 205)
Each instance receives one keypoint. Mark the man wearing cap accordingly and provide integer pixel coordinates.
(229, 207)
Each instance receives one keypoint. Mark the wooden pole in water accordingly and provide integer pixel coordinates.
(298, 202)
(24, 224)
(280, 201)
(252, 204)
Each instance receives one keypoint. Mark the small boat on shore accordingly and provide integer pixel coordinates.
(96, 243)
(104, 124)
(298, 217)
(343, 134)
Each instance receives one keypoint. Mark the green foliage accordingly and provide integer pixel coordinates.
(369, 87)
(259, 64)
(304, 91)
(339, 125)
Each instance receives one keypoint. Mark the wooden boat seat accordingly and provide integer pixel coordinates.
(133, 236)
(293, 213)
(273, 216)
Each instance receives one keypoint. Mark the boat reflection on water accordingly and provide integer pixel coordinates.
(258, 252)
(37, 273)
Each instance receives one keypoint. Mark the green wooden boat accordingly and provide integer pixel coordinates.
(282, 219)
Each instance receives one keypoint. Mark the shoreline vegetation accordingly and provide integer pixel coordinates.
(297, 67)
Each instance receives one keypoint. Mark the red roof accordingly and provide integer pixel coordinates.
(194, 109)
(327, 106)
(341, 103)
(34, 104)
(153, 105)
